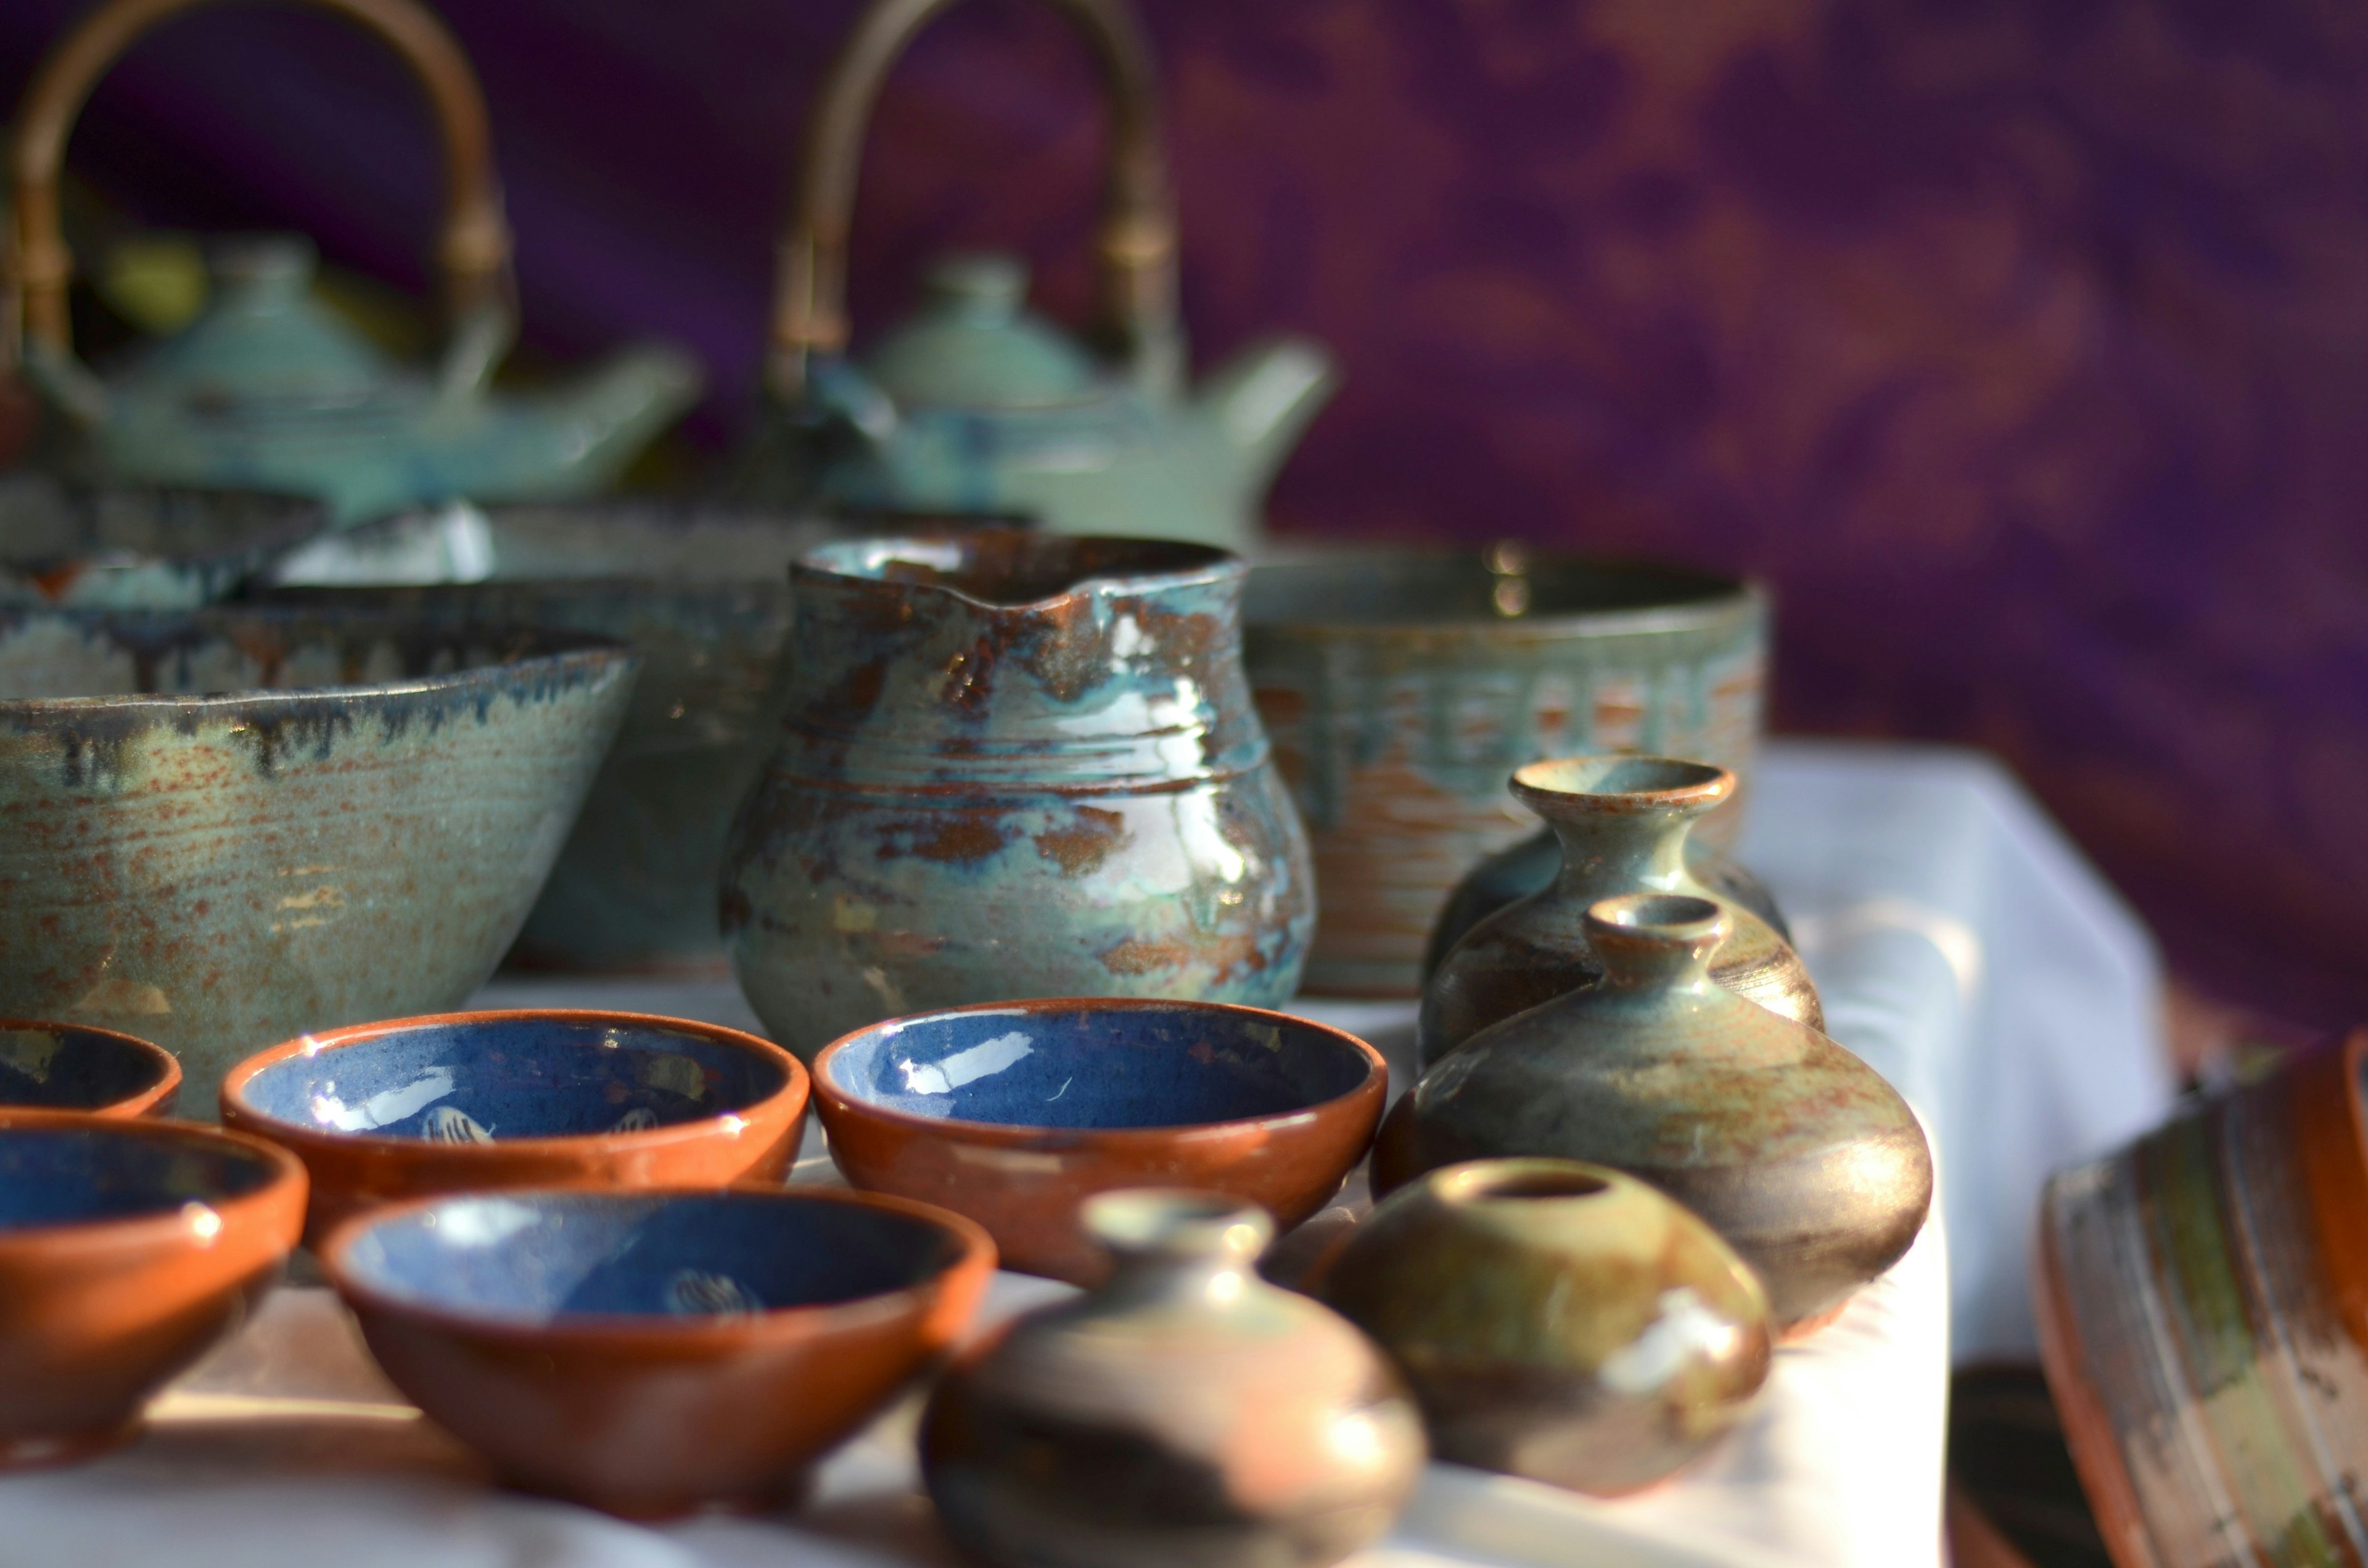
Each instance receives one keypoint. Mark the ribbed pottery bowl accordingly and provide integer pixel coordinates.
(2202, 1299)
(74, 546)
(1402, 686)
(223, 829)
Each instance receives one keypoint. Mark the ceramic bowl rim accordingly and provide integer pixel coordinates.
(658, 1330)
(1219, 566)
(1721, 785)
(296, 517)
(132, 1105)
(790, 1100)
(832, 1100)
(1725, 595)
(288, 1180)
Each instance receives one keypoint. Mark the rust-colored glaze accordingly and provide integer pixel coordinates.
(2331, 1145)
(650, 1417)
(153, 1098)
(96, 1316)
(1025, 1183)
(353, 1173)
(2087, 1429)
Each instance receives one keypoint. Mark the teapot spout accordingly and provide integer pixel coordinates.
(622, 405)
(1261, 399)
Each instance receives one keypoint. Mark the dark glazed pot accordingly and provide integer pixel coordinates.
(1623, 822)
(1557, 1320)
(127, 1248)
(1185, 1414)
(225, 828)
(1796, 1152)
(71, 1067)
(74, 546)
(1014, 765)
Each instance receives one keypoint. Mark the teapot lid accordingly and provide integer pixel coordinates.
(974, 344)
(263, 336)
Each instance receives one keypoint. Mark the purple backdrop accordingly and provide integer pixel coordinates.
(2021, 343)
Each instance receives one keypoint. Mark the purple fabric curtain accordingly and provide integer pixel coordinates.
(2022, 345)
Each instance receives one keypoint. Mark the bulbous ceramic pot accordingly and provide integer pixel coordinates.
(1623, 822)
(1014, 765)
(1557, 1320)
(1796, 1152)
(1184, 1415)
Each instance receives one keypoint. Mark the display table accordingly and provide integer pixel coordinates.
(1959, 946)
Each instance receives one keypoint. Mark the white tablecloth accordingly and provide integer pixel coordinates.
(1959, 947)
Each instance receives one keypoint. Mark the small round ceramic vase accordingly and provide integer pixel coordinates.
(1184, 1415)
(2202, 1305)
(1558, 1320)
(1793, 1150)
(1623, 822)
(1014, 765)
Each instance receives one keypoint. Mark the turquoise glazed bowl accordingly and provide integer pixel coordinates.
(72, 547)
(221, 829)
(1013, 765)
(63, 1067)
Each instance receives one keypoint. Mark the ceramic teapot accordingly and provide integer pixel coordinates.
(977, 404)
(268, 389)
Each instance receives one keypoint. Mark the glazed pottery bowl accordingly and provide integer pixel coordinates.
(2202, 1303)
(1557, 1320)
(469, 1101)
(72, 547)
(64, 1067)
(1402, 686)
(1015, 1113)
(649, 1352)
(127, 1248)
(225, 827)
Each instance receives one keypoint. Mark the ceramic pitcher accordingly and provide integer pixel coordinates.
(1014, 765)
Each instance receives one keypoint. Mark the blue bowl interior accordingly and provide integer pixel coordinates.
(64, 1176)
(1097, 1067)
(515, 1078)
(546, 1255)
(70, 1069)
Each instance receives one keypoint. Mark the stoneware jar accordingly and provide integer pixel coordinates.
(1185, 1412)
(1623, 822)
(1013, 765)
(1800, 1155)
(1557, 1320)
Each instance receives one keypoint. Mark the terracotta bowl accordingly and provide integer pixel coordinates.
(1016, 1112)
(67, 1067)
(2202, 1300)
(467, 1101)
(127, 1248)
(650, 1352)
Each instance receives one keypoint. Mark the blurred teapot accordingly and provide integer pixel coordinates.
(976, 403)
(268, 389)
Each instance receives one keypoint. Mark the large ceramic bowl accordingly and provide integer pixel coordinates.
(470, 1101)
(127, 1248)
(2203, 1301)
(66, 1067)
(227, 827)
(71, 547)
(1015, 1113)
(647, 1352)
(1402, 687)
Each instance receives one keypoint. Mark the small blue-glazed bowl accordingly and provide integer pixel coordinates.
(455, 1102)
(1016, 1112)
(48, 1066)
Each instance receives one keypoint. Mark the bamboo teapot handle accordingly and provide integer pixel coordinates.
(472, 251)
(1136, 250)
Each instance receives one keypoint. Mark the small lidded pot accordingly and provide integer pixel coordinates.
(1558, 1320)
(1184, 1412)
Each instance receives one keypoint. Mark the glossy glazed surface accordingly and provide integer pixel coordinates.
(127, 1248)
(2202, 1299)
(72, 548)
(1013, 1114)
(1558, 1320)
(1622, 824)
(62, 1067)
(1013, 765)
(470, 1101)
(194, 859)
(650, 1352)
(1186, 1412)
(1402, 686)
(1798, 1154)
